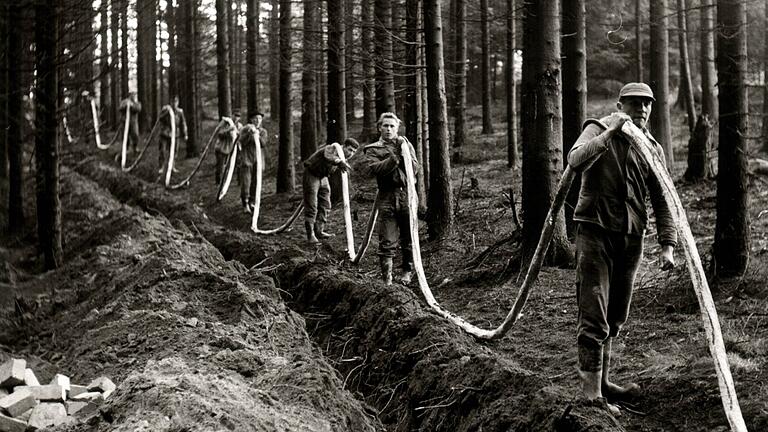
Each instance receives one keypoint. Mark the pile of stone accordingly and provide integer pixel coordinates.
(25, 404)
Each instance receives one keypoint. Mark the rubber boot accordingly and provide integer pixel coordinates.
(320, 231)
(311, 238)
(386, 269)
(590, 385)
(611, 391)
(246, 207)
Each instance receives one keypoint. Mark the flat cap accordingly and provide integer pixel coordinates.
(636, 89)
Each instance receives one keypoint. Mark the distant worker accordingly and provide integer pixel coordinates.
(134, 106)
(386, 163)
(225, 142)
(165, 132)
(611, 215)
(317, 190)
(247, 147)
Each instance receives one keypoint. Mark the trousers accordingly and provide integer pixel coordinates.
(317, 198)
(606, 266)
(394, 225)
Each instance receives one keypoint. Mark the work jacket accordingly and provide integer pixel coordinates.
(247, 143)
(165, 122)
(323, 162)
(614, 187)
(225, 137)
(386, 163)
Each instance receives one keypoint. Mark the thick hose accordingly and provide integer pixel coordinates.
(148, 141)
(231, 164)
(172, 151)
(257, 199)
(355, 257)
(66, 129)
(96, 136)
(199, 161)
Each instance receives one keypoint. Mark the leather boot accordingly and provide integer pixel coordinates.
(407, 276)
(386, 270)
(612, 391)
(320, 231)
(311, 238)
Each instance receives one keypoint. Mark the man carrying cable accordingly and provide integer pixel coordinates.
(225, 142)
(165, 132)
(134, 107)
(247, 147)
(385, 161)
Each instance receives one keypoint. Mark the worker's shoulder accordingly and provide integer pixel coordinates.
(374, 147)
(600, 123)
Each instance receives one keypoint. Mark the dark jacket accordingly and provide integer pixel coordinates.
(614, 188)
(385, 162)
(247, 143)
(225, 137)
(323, 162)
(165, 122)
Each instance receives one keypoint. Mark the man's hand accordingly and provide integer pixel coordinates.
(617, 121)
(344, 166)
(667, 258)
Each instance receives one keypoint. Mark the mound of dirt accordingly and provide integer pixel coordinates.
(193, 341)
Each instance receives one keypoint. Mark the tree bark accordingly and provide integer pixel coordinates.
(124, 66)
(4, 94)
(698, 150)
(252, 55)
(732, 228)
(188, 51)
(574, 89)
(369, 73)
(460, 91)
(707, 55)
(16, 111)
(337, 111)
(511, 87)
(349, 61)
(223, 75)
(308, 82)
(765, 81)
(686, 87)
(145, 52)
(638, 42)
(486, 67)
(661, 126)
(46, 142)
(114, 78)
(275, 58)
(173, 59)
(285, 168)
(414, 88)
(542, 125)
(385, 83)
(440, 195)
(104, 90)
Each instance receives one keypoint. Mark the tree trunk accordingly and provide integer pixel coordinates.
(698, 150)
(369, 73)
(46, 142)
(707, 54)
(542, 125)
(16, 111)
(686, 87)
(4, 94)
(661, 126)
(511, 87)
(285, 168)
(308, 82)
(440, 195)
(114, 77)
(413, 96)
(731, 248)
(485, 69)
(385, 82)
(231, 47)
(337, 117)
(124, 66)
(765, 81)
(349, 61)
(460, 91)
(173, 59)
(252, 55)
(144, 51)
(187, 48)
(104, 57)
(574, 89)
(223, 76)
(239, 46)
(274, 63)
(638, 42)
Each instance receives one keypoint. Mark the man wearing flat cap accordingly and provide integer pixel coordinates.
(611, 215)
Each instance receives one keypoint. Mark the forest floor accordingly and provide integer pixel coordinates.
(289, 337)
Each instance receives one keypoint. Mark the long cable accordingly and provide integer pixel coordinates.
(355, 257)
(96, 135)
(144, 148)
(225, 181)
(202, 157)
(257, 199)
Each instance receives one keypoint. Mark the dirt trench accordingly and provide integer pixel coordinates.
(416, 370)
(194, 341)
